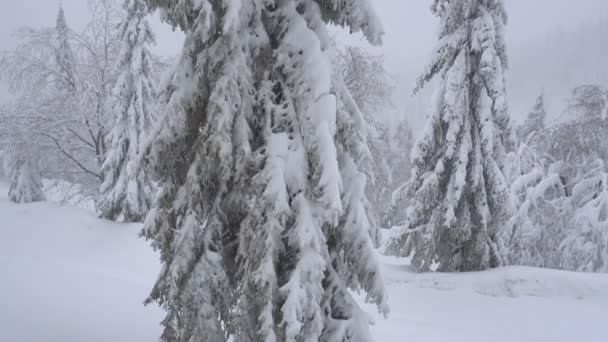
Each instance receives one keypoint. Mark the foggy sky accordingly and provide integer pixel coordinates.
(410, 31)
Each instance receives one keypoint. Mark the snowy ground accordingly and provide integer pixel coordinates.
(67, 276)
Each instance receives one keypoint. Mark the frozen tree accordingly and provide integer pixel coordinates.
(460, 197)
(64, 56)
(127, 189)
(3, 163)
(367, 79)
(560, 216)
(588, 102)
(100, 43)
(63, 83)
(26, 185)
(17, 158)
(402, 144)
(556, 228)
(557, 183)
(52, 94)
(535, 121)
(261, 221)
(399, 155)
(371, 88)
(585, 246)
(580, 138)
(541, 211)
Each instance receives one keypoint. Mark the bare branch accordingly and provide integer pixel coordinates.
(88, 143)
(69, 156)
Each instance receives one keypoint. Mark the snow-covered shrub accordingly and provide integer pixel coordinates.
(558, 187)
(558, 224)
(542, 212)
(26, 185)
(585, 246)
(4, 164)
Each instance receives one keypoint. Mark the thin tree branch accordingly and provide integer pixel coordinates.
(64, 152)
(88, 143)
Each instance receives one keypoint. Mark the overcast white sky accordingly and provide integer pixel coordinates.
(410, 28)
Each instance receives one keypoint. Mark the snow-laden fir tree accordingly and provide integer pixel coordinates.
(126, 191)
(260, 222)
(535, 121)
(64, 56)
(459, 195)
(26, 185)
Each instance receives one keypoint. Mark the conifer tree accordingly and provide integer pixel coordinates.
(26, 185)
(126, 189)
(261, 223)
(460, 197)
(64, 56)
(535, 121)
(400, 156)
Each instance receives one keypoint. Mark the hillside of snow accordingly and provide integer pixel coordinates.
(70, 277)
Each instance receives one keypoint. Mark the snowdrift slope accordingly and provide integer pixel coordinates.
(511, 304)
(67, 276)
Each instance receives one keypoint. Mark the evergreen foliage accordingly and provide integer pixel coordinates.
(535, 121)
(126, 191)
(259, 153)
(460, 197)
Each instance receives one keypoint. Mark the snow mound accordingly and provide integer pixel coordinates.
(509, 304)
(512, 281)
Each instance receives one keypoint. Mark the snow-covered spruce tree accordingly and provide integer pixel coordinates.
(64, 56)
(460, 198)
(260, 223)
(126, 191)
(26, 185)
(535, 121)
